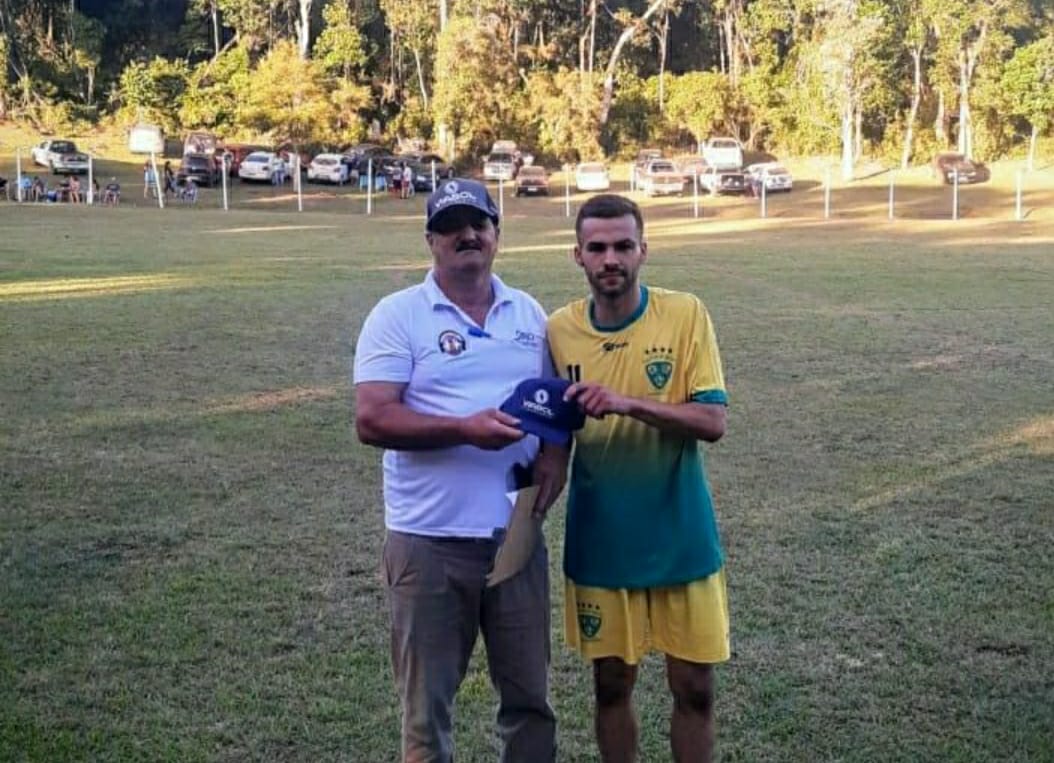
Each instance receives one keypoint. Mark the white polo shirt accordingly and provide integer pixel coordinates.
(452, 367)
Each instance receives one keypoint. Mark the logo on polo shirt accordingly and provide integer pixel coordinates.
(451, 343)
(527, 339)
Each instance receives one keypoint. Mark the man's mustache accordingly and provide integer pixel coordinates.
(469, 244)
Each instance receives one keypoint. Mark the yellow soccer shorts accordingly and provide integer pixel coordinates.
(689, 622)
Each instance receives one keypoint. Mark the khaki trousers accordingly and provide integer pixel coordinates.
(439, 604)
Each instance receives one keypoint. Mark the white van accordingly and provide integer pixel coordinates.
(723, 153)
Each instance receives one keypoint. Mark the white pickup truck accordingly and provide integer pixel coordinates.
(61, 157)
(723, 153)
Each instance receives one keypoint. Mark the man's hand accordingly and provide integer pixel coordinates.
(491, 429)
(597, 400)
(550, 474)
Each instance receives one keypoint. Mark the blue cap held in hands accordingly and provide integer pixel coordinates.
(540, 406)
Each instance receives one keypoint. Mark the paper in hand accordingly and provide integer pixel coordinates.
(521, 536)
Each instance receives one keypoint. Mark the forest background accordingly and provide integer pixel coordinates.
(571, 79)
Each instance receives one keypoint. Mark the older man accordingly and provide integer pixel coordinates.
(433, 364)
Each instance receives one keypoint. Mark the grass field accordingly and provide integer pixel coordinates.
(190, 534)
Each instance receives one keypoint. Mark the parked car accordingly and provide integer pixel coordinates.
(61, 157)
(198, 142)
(723, 153)
(773, 175)
(360, 163)
(443, 169)
(951, 163)
(500, 166)
(261, 165)
(644, 156)
(691, 167)
(532, 181)
(592, 176)
(332, 168)
(661, 176)
(289, 155)
(235, 154)
(716, 181)
(201, 168)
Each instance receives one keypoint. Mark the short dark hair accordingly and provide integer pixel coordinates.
(609, 206)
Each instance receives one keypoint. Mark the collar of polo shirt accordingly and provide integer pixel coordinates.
(437, 297)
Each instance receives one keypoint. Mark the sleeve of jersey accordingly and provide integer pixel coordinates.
(704, 360)
(383, 352)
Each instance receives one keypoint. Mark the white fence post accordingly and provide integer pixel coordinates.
(299, 186)
(157, 181)
(567, 192)
(501, 197)
(955, 195)
(369, 186)
(764, 197)
(695, 192)
(91, 178)
(18, 172)
(225, 161)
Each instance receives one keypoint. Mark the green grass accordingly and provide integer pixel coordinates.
(190, 533)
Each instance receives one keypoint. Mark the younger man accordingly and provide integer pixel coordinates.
(642, 556)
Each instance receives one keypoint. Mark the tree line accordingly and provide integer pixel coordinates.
(572, 79)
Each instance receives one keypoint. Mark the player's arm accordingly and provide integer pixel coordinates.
(384, 420)
(700, 421)
(550, 475)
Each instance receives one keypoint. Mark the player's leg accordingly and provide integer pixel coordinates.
(689, 623)
(615, 721)
(692, 721)
(433, 594)
(516, 629)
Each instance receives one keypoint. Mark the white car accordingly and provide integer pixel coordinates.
(661, 177)
(723, 153)
(262, 165)
(592, 176)
(61, 157)
(500, 166)
(332, 168)
(775, 176)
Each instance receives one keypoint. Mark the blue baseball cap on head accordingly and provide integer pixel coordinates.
(459, 192)
(540, 406)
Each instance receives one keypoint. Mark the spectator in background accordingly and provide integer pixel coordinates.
(408, 181)
(112, 194)
(26, 186)
(73, 190)
(169, 178)
(149, 179)
(39, 191)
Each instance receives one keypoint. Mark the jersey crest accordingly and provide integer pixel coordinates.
(589, 620)
(658, 366)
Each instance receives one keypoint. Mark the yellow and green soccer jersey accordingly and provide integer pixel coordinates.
(640, 513)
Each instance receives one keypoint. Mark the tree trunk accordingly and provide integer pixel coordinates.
(858, 140)
(421, 77)
(662, 61)
(303, 27)
(609, 74)
(1032, 148)
(730, 46)
(216, 27)
(847, 142)
(913, 112)
(964, 106)
(940, 125)
(592, 34)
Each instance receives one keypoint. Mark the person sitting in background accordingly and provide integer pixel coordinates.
(188, 194)
(112, 193)
(25, 185)
(39, 190)
(3, 185)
